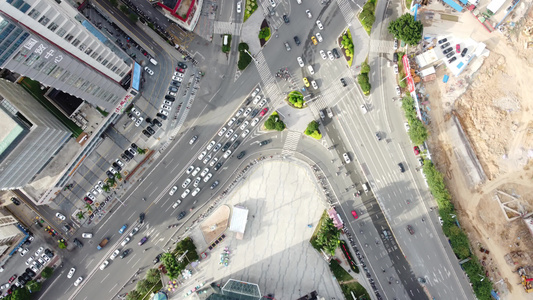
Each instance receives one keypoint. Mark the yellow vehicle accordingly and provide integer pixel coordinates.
(313, 38)
(306, 82)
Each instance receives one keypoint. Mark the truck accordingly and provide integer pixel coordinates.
(102, 243)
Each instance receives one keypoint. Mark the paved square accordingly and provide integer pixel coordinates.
(275, 252)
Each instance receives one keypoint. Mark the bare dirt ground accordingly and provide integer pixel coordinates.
(495, 109)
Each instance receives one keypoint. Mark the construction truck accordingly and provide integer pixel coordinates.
(526, 282)
(102, 243)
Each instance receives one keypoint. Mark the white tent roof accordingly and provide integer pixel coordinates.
(239, 218)
(426, 58)
(495, 5)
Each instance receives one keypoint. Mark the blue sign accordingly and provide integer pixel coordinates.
(136, 78)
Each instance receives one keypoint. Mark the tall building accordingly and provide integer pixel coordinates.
(51, 42)
(29, 136)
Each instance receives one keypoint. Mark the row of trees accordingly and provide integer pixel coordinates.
(144, 286)
(244, 58)
(131, 15)
(417, 131)
(367, 17)
(363, 78)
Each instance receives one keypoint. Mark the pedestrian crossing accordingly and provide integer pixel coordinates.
(346, 10)
(270, 88)
(291, 142)
(381, 46)
(227, 28)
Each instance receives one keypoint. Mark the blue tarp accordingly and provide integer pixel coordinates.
(454, 5)
(465, 2)
(494, 295)
(445, 79)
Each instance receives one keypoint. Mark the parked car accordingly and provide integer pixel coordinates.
(104, 264)
(15, 201)
(61, 216)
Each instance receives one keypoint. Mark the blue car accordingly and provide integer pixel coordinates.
(121, 231)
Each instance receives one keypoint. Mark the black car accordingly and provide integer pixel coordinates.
(400, 166)
(343, 82)
(177, 84)
(394, 57)
(450, 54)
(21, 280)
(463, 53)
(297, 41)
(30, 272)
(77, 243)
(134, 146)
(125, 157)
(141, 218)
(447, 50)
(117, 167)
(157, 122)
(170, 97)
(182, 65)
(162, 116)
(248, 102)
(109, 174)
(158, 258)
(150, 130)
(254, 112)
(264, 143)
(443, 46)
(335, 53)
(26, 276)
(452, 59)
(217, 166)
(214, 185)
(226, 146)
(146, 133)
(238, 122)
(241, 155)
(181, 215)
(286, 19)
(15, 201)
(443, 41)
(236, 144)
(128, 154)
(125, 253)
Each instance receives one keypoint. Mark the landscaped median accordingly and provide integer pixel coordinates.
(265, 33)
(295, 99)
(367, 17)
(363, 79)
(347, 47)
(274, 122)
(249, 7)
(244, 58)
(312, 130)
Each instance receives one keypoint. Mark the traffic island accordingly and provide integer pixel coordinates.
(264, 33)
(363, 79)
(346, 43)
(249, 8)
(274, 122)
(312, 130)
(295, 99)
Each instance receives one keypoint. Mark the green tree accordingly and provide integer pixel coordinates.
(280, 126)
(362, 79)
(88, 206)
(133, 17)
(264, 33)
(114, 3)
(171, 264)
(118, 175)
(47, 272)
(62, 245)
(244, 60)
(134, 295)
(124, 9)
(80, 215)
(143, 286)
(296, 99)
(106, 188)
(405, 28)
(365, 67)
(152, 276)
(243, 46)
(111, 181)
(33, 286)
(187, 245)
(312, 130)
(20, 294)
(141, 151)
(417, 132)
(367, 16)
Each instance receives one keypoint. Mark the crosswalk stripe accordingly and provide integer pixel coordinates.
(346, 10)
(291, 142)
(227, 28)
(381, 46)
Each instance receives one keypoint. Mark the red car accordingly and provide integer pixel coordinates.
(354, 214)
(458, 48)
(416, 150)
(12, 278)
(263, 112)
(180, 70)
(87, 200)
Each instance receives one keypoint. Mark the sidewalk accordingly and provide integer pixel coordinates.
(250, 30)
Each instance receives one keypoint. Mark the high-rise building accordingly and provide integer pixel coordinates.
(51, 42)
(30, 136)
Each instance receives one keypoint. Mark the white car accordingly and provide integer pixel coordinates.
(104, 264)
(319, 37)
(136, 112)
(395, 69)
(248, 111)
(86, 235)
(197, 181)
(115, 254)
(263, 102)
(163, 112)
(173, 190)
(239, 112)
(230, 123)
(186, 183)
(195, 171)
(185, 193)
(311, 70)
(239, 7)
(207, 177)
(245, 133)
(139, 121)
(134, 231)
(234, 137)
(346, 158)
(398, 90)
(78, 281)
(395, 45)
(227, 154)
(330, 55)
(319, 24)
(71, 272)
(222, 131)
(149, 71)
(217, 147)
(207, 158)
(101, 183)
(61, 217)
(165, 107)
(189, 170)
(195, 192)
(300, 61)
(406, 126)
(45, 257)
(272, 3)
(166, 102)
(323, 54)
(254, 122)
(39, 251)
(176, 204)
(255, 92)
(244, 125)
(309, 15)
(314, 84)
(210, 146)
(30, 259)
(202, 155)
(213, 162)
(229, 133)
(204, 172)
(257, 99)
(124, 242)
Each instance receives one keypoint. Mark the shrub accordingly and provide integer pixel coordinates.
(417, 131)
(367, 17)
(47, 272)
(312, 130)
(362, 79)
(296, 99)
(244, 58)
(264, 33)
(274, 122)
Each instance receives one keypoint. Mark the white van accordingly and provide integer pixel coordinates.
(153, 61)
(365, 187)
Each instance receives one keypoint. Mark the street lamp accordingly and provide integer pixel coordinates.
(255, 60)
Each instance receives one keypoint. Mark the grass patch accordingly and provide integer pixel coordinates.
(367, 17)
(408, 3)
(347, 282)
(317, 230)
(339, 271)
(249, 8)
(34, 88)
